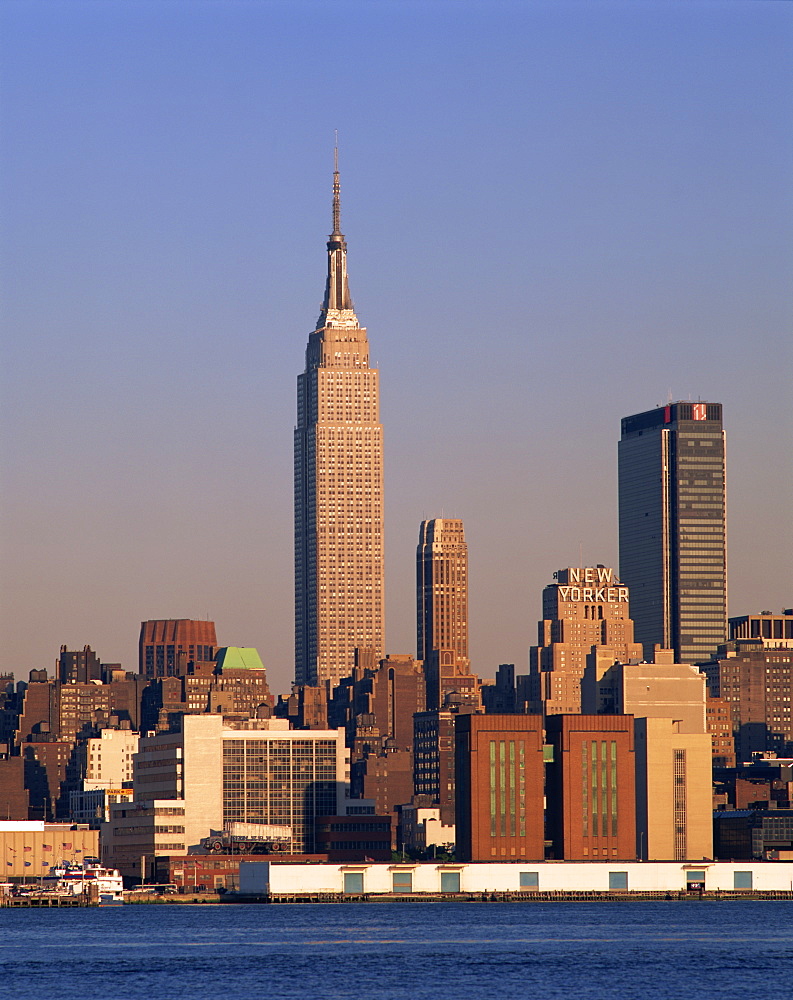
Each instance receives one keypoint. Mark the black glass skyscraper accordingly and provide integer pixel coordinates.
(672, 526)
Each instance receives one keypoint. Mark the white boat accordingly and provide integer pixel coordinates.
(72, 878)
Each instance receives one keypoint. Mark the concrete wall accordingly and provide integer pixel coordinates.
(203, 775)
(656, 788)
(663, 691)
(255, 876)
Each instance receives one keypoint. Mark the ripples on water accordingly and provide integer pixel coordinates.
(697, 950)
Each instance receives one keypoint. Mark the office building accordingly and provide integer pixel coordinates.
(672, 527)
(305, 707)
(80, 666)
(105, 761)
(433, 764)
(499, 796)
(719, 721)
(450, 683)
(166, 646)
(233, 685)
(46, 763)
(339, 568)
(754, 835)
(14, 803)
(376, 705)
(586, 609)
(775, 631)
(442, 589)
(661, 689)
(194, 782)
(756, 680)
(501, 697)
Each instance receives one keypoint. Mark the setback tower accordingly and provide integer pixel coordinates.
(339, 575)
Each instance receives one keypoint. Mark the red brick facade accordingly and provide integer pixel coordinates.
(499, 796)
(591, 788)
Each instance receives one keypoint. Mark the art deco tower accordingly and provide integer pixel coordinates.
(442, 589)
(339, 570)
(672, 510)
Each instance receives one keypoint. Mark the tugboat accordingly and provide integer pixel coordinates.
(74, 877)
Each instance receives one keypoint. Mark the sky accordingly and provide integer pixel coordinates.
(557, 213)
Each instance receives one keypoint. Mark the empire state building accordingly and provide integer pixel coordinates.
(339, 565)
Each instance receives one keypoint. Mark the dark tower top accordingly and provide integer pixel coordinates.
(337, 291)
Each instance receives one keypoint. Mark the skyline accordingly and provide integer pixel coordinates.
(595, 171)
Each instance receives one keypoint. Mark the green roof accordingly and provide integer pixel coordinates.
(239, 658)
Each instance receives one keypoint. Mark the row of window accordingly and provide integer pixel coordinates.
(402, 881)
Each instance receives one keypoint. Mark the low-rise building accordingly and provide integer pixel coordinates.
(422, 827)
(263, 878)
(30, 848)
(354, 838)
(754, 834)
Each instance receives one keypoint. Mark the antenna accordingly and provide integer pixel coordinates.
(336, 188)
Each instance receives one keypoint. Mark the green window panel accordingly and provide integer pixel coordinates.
(618, 880)
(353, 883)
(450, 881)
(402, 882)
(742, 880)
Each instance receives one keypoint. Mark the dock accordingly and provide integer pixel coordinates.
(48, 900)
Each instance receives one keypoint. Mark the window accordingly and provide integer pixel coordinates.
(353, 883)
(695, 881)
(742, 880)
(450, 882)
(402, 882)
(618, 880)
(530, 880)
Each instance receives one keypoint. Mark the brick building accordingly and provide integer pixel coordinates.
(756, 680)
(376, 707)
(591, 787)
(499, 794)
(233, 685)
(166, 646)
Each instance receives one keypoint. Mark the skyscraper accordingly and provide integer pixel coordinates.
(339, 573)
(672, 520)
(585, 610)
(442, 589)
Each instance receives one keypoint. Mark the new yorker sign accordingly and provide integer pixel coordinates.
(589, 583)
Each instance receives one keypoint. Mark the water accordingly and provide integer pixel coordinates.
(695, 950)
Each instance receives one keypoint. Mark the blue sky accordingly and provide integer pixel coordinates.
(557, 214)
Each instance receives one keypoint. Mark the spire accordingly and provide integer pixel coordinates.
(337, 304)
(336, 197)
